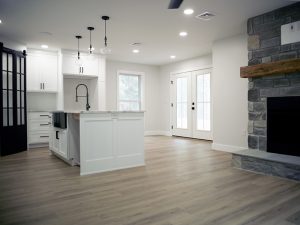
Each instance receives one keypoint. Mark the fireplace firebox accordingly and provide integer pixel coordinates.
(283, 125)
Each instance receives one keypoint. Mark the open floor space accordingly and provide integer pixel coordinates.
(183, 182)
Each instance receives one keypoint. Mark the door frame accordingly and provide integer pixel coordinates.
(171, 81)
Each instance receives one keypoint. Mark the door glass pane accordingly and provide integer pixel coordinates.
(4, 98)
(203, 102)
(4, 61)
(10, 98)
(10, 80)
(22, 83)
(19, 116)
(18, 64)
(182, 102)
(18, 99)
(18, 81)
(10, 62)
(22, 99)
(4, 117)
(22, 65)
(4, 80)
(23, 116)
(10, 115)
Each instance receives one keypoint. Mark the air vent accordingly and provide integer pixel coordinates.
(205, 16)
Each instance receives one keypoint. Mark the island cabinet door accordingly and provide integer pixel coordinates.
(63, 144)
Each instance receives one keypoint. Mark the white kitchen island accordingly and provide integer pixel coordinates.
(104, 140)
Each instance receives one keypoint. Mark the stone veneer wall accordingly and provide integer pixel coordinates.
(264, 45)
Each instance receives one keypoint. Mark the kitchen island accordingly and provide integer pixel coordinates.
(100, 140)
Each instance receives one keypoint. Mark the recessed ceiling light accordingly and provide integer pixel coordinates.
(135, 51)
(183, 33)
(173, 56)
(44, 46)
(188, 11)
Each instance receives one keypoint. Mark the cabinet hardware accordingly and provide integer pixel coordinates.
(45, 116)
(44, 86)
(44, 124)
(44, 136)
(41, 86)
(56, 135)
(82, 69)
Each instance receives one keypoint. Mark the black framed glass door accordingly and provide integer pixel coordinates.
(13, 122)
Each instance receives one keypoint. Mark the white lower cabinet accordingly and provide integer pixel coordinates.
(38, 128)
(59, 139)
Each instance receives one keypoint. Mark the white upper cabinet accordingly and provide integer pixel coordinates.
(42, 71)
(89, 66)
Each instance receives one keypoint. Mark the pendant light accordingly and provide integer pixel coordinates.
(105, 50)
(78, 60)
(91, 49)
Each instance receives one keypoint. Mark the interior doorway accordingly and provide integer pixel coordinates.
(191, 104)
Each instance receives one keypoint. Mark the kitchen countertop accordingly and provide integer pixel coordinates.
(97, 111)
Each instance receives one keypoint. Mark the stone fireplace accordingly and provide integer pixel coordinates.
(273, 72)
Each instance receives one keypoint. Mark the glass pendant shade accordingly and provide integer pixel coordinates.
(105, 50)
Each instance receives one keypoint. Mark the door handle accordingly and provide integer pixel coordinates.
(56, 135)
(193, 108)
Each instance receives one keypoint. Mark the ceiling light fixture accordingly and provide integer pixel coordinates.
(135, 51)
(0, 21)
(183, 34)
(105, 50)
(78, 60)
(205, 16)
(173, 56)
(44, 46)
(91, 47)
(188, 11)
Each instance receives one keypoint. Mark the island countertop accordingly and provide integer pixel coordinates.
(98, 111)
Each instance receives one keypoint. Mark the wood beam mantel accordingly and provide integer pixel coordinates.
(266, 69)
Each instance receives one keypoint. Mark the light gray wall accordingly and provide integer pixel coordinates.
(152, 90)
(230, 104)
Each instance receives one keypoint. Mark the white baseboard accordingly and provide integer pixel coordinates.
(153, 133)
(227, 148)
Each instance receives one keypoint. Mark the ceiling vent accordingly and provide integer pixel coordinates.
(205, 16)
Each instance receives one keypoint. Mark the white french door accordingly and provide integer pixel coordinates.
(191, 104)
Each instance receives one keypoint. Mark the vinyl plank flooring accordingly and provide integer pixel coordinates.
(184, 182)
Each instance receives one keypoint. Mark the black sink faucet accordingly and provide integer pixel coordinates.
(86, 96)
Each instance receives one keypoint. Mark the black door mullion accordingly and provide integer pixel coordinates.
(1, 86)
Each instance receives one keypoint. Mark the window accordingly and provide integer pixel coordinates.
(130, 91)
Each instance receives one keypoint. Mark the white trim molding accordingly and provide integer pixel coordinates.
(226, 148)
(157, 133)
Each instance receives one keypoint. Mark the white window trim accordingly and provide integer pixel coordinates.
(135, 73)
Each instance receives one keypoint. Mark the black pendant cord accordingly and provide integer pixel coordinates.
(105, 38)
(90, 41)
(78, 51)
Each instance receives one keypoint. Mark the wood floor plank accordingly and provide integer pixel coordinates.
(184, 182)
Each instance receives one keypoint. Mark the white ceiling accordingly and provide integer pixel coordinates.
(145, 21)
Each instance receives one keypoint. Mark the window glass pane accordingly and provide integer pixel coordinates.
(10, 115)
(200, 90)
(4, 80)
(4, 97)
(200, 116)
(129, 92)
(128, 87)
(129, 106)
(4, 117)
(4, 61)
(10, 80)
(10, 62)
(206, 116)
(181, 85)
